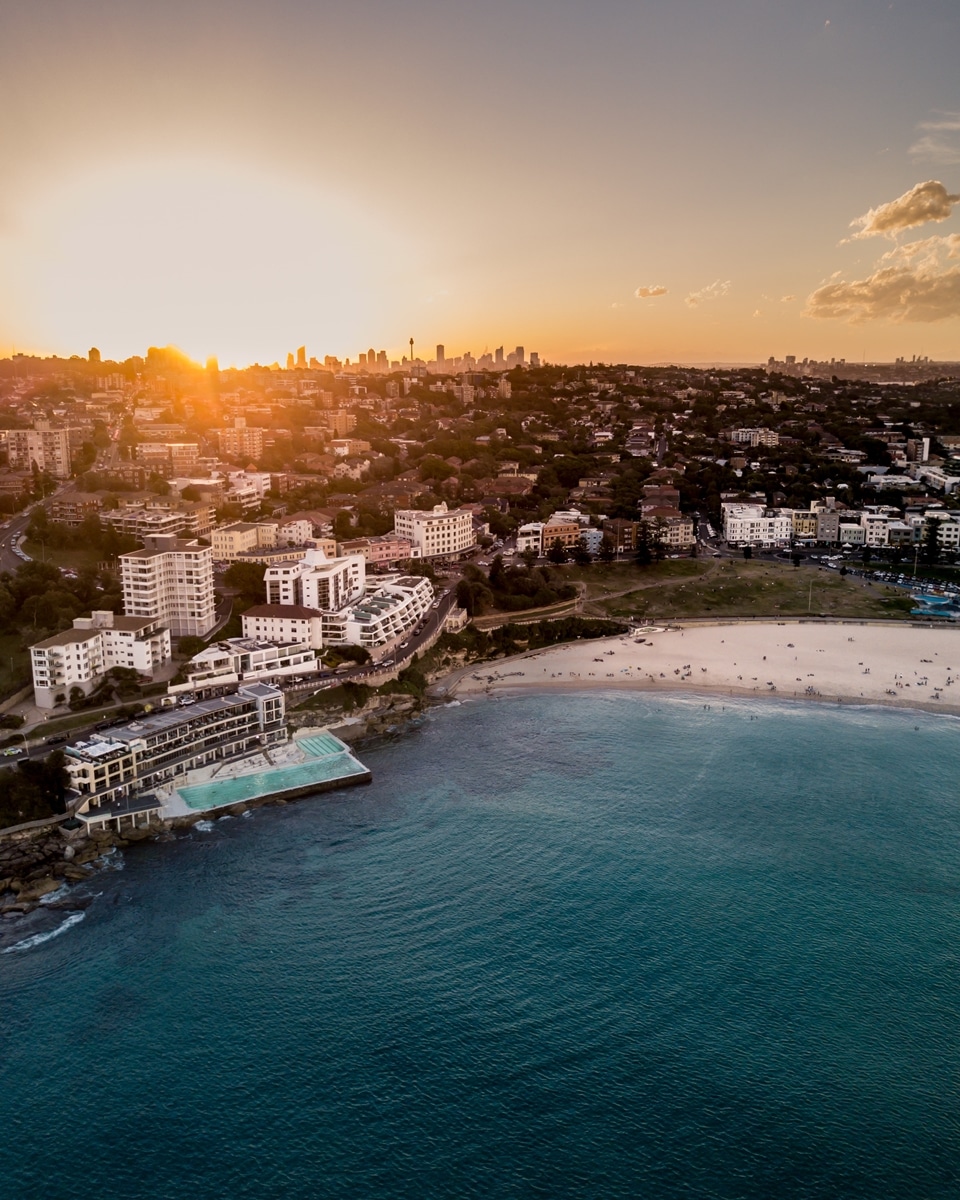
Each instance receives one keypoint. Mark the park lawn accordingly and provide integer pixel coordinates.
(73, 559)
(14, 665)
(746, 589)
(604, 579)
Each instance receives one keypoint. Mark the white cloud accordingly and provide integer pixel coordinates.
(649, 291)
(912, 282)
(939, 140)
(713, 291)
(787, 299)
(929, 201)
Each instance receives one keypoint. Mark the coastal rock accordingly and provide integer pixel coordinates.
(74, 874)
(37, 888)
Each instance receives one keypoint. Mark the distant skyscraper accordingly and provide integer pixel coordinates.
(519, 354)
(93, 355)
(289, 362)
(441, 357)
(362, 360)
(371, 358)
(382, 360)
(498, 356)
(534, 359)
(302, 356)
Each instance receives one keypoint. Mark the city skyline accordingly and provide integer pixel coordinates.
(644, 183)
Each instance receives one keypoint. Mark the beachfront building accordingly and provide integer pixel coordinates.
(244, 660)
(80, 657)
(382, 617)
(113, 773)
(440, 533)
(317, 582)
(566, 532)
(284, 624)
(530, 537)
(171, 581)
(755, 525)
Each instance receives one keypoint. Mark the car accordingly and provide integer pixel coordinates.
(187, 700)
(57, 740)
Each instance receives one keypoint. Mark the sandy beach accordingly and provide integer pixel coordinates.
(896, 665)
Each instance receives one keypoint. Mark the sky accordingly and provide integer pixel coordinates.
(606, 180)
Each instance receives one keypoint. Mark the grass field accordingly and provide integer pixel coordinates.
(70, 559)
(744, 589)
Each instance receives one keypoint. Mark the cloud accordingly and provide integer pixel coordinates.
(651, 290)
(787, 299)
(913, 282)
(757, 312)
(939, 140)
(712, 291)
(928, 201)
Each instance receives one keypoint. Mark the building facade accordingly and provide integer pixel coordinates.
(171, 581)
(44, 446)
(440, 533)
(81, 656)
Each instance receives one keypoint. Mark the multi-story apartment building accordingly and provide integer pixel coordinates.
(73, 508)
(170, 580)
(567, 533)
(381, 617)
(755, 525)
(152, 518)
(317, 582)
(244, 660)
(284, 624)
(441, 533)
(230, 541)
(112, 771)
(44, 446)
(241, 441)
(81, 656)
(530, 537)
(378, 551)
(169, 458)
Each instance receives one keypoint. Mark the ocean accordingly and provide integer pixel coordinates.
(603, 945)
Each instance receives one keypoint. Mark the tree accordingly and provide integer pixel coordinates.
(930, 546)
(608, 551)
(529, 556)
(797, 558)
(581, 555)
(247, 578)
(748, 552)
(557, 553)
(643, 554)
(498, 574)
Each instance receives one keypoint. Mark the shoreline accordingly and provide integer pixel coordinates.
(902, 667)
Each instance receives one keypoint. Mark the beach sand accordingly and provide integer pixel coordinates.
(896, 665)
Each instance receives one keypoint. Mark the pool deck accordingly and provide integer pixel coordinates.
(281, 772)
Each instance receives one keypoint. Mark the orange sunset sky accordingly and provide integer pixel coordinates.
(623, 180)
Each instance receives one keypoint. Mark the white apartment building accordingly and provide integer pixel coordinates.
(245, 660)
(316, 581)
(382, 617)
(81, 656)
(530, 537)
(171, 581)
(44, 445)
(754, 525)
(441, 533)
(755, 437)
(284, 624)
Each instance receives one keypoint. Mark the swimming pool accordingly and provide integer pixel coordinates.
(320, 771)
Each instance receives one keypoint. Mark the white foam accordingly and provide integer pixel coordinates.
(39, 938)
(203, 826)
(59, 894)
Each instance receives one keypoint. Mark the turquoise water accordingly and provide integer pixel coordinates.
(599, 946)
(321, 744)
(220, 792)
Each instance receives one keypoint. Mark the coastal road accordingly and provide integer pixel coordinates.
(15, 526)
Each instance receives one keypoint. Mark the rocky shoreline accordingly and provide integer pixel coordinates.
(36, 863)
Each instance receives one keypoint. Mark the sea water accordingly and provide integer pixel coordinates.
(564, 946)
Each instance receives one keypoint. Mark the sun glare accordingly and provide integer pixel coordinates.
(212, 259)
